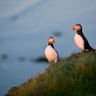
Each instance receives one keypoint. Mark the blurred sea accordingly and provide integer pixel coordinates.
(25, 26)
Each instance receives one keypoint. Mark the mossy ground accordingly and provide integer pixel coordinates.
(72, 76)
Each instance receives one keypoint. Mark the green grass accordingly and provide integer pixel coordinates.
(72, 76)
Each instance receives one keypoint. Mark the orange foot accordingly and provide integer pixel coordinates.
(82, 52)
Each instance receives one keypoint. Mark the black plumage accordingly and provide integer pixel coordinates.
(78, 29)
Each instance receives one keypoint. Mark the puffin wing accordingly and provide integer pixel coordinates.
(87, 46)
(57, 55)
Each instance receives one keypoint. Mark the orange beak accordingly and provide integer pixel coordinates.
(73, 28)
(54, 41)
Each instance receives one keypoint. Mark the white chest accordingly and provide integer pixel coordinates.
(51, 54)
(79, 41)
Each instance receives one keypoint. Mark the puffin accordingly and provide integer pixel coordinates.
(50, 52)
(80, 40)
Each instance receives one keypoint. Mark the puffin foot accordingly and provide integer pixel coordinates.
(82, 52)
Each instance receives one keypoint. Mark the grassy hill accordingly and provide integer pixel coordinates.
(72, 76)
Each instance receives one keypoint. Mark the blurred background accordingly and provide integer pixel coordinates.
(25, 26)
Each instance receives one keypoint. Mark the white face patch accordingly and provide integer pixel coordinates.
(50, 40)
(77, 27)
(79, 41)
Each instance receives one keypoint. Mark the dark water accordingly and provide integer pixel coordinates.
(25, 27)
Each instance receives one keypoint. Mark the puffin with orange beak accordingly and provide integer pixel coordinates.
(50, 52)
(80, 39)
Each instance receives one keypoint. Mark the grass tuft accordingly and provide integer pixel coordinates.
(72, 76)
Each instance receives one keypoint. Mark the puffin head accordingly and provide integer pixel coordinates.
(51, 40)
(77, 27)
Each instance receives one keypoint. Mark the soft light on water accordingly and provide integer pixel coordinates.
(25, 27)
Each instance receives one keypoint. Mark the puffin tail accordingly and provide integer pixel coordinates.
(89, 49)
(92, 49)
